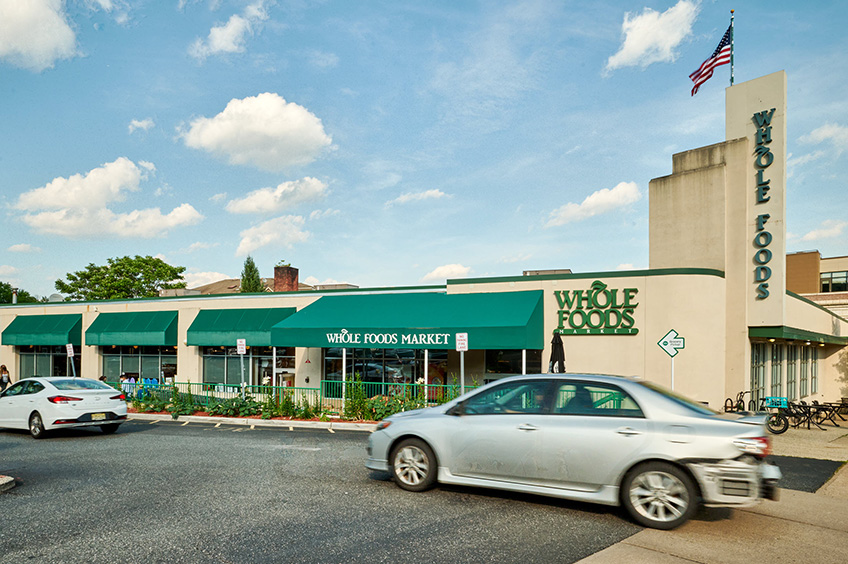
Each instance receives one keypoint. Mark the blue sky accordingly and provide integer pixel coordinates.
(386, 143)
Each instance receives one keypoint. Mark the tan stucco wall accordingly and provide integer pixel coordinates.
(803, 272)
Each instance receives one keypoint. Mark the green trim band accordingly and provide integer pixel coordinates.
(596, 275)
(793, 334)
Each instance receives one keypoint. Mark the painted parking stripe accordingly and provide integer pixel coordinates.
(186, 423)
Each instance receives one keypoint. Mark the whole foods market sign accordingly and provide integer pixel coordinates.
(347, 338)
(598, 310)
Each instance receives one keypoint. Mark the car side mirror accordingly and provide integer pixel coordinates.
(457, 410)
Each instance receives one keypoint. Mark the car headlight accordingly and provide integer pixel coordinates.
(382, 425)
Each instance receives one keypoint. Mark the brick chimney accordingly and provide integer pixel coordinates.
(285, 279)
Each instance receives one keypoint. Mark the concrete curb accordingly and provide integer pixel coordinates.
(329, 425)
(6, 483)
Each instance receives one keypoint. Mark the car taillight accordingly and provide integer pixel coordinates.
(62, 399)
(120, 397)
(758, 446)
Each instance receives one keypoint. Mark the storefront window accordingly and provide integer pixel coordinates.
(776, 370)
(508, 361)
(758, 370)
(379, 369)
(223, 365)
(791, 372)
(814, 371)
(805, 363)
(147, 363)
(47, 361)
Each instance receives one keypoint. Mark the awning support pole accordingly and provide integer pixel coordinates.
(344, 378)
(274, 367)
(524, 361)
(426, 371)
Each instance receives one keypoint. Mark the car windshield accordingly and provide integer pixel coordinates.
(679, 399)
(67, 384)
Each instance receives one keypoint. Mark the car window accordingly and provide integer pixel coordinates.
(67, 384)
(16, 389)
(592, 398)
(34, 387)
(511, 397)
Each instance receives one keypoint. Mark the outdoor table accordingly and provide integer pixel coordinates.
(826, 411)
(836, 407)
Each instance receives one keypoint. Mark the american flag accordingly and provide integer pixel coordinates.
(721, 56)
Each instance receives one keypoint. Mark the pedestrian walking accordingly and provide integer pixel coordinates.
(5, 379)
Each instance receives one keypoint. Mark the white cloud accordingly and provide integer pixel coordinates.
(78, 206)
(199, 246)
(830, 229)
(322, 59)
(6, 270)
(23, 248)
(833, 132)
(34, 34)
(264, 131)
(219, 197)
(442, 273)
(312, 281)
(417, 197)
(597, 203)
(516, 258)
(230, 37)
(652, 37)
(285, 196)
(321, 214)
(286, 231)
(195, 279)
(625, 266)
(143, 124)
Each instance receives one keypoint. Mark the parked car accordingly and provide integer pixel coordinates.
(601, 439)
(42, 404)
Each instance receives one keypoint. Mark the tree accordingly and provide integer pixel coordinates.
(123, 277)
(250, 280)
(6, 295)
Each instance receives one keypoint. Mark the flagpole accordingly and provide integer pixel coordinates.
(731, 47)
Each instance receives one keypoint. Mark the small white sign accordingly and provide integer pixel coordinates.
(241, 345)
(461, 342)
(70, 348)
(671, 342)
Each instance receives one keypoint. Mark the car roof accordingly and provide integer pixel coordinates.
(610, 378)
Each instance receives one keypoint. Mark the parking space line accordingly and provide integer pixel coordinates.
(252, 427)
(330, 430)
(154, 422)
(291, 428)
(218, 424)
(186, 423)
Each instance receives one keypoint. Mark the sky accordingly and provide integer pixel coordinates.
(387, 143)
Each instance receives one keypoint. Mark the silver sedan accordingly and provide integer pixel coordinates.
(601, 439)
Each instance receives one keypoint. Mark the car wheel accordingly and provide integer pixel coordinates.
(659, 495)
(414, 465)
(111, 428)
(36, 426)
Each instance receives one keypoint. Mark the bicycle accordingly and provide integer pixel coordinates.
(777, 422)
(739, 404)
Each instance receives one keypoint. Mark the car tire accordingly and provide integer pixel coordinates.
(36, 426)
(414, 465)
(109, 429)
(659, 495)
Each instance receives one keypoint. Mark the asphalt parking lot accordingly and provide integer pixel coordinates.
(170, 492)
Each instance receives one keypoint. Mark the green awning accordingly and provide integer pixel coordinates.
(48, 330)
(142, 328)
(505, 320)
(792, 334)
(223, 327)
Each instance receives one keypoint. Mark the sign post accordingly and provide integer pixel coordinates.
(670, 343)
(241, 346)
(461, 347)
(70, 348)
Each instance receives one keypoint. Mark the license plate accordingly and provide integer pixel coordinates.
(98, 416)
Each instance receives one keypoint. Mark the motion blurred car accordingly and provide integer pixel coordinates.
(601, 439)
(42, 404)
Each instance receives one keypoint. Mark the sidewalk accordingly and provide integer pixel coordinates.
(798, 528)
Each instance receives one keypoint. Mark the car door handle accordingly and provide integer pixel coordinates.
(527, 427)
(628, 431)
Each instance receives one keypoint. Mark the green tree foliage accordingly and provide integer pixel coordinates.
(6, 295)
(250, 279)
(123, 277)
